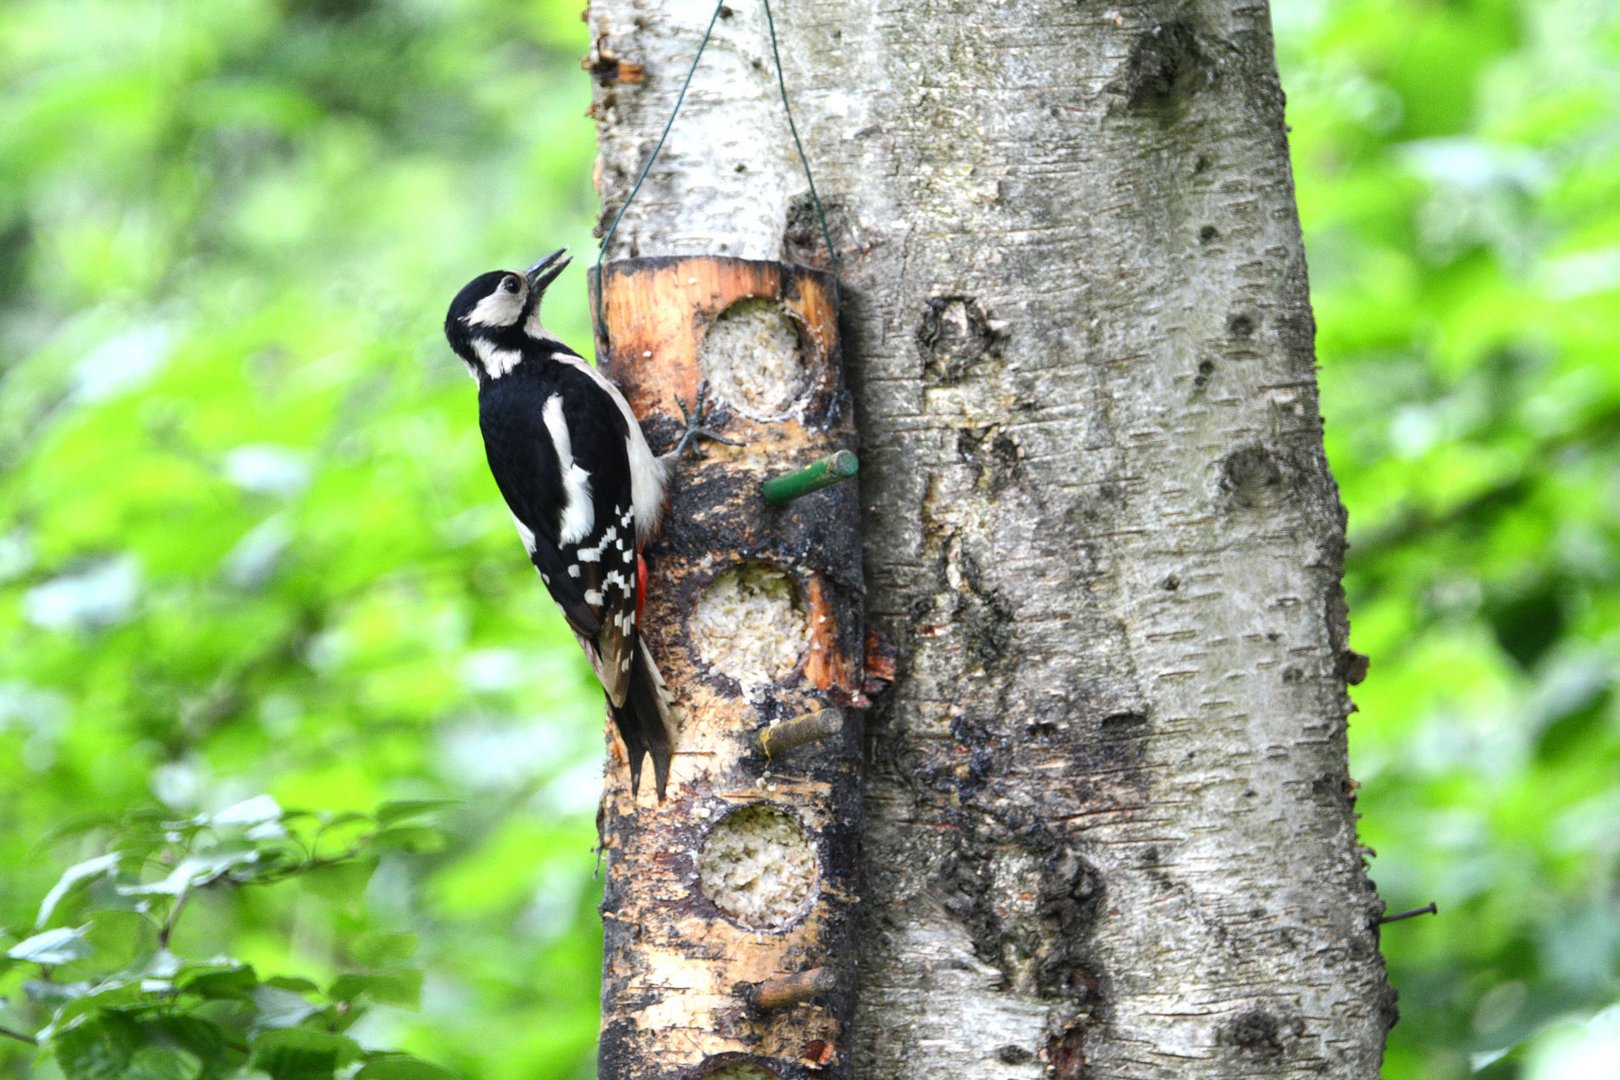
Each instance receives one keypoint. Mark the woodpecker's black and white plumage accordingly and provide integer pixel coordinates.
(584, 488)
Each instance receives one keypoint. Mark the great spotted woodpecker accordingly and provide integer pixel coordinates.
(584, 489)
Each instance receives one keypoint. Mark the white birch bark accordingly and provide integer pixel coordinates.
(1109, 820)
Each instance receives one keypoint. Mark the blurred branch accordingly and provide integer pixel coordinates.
(1416, 521)
(1426, 909)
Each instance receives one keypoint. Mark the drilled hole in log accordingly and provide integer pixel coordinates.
(750, 626)
(758, 866)
(753, 359)
(742, 1072)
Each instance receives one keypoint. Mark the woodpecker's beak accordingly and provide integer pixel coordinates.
(545, 271)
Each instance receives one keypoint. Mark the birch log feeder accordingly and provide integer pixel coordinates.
(739, 891)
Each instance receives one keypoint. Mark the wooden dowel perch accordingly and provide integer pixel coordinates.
(789, 990)
(800, 731)
(754, 614)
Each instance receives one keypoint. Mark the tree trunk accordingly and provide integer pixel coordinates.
(1109, 823)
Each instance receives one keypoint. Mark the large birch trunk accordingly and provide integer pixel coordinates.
(1109, 824)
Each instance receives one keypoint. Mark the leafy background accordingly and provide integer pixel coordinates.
(248, 546)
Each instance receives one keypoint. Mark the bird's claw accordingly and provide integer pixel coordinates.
(696, 419)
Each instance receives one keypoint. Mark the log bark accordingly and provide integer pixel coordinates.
(1110, 828)
(729, 907)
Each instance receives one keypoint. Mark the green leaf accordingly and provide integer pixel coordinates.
(379, 948)
(280, 1008)
(98, 997)
(418, 839)
(163, 1063)
(117, 940)
(393, 987)
(347, 817)
(400, 1067)
(301, 1054)
(72, 878)
(248, 812)
(234, 981)
(58, 946)
(390, 813)
(100, 1048)
(199, 868)
(196, 1036)
(340, 883)
(47, 992)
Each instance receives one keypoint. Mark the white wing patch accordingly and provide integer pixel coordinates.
(578, 516)
(647, 473)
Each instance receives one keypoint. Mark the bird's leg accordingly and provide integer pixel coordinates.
(696, 419)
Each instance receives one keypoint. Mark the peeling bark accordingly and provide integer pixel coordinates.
(1109, 823)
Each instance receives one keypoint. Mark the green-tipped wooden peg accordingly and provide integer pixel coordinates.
(781, 490)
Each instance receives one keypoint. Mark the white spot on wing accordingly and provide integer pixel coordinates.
(593, 596)
(578, 514)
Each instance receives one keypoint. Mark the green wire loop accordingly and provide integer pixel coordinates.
(680, 99)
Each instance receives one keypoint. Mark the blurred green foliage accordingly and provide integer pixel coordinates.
(248, 545)
(1458, 167)
(115, 995)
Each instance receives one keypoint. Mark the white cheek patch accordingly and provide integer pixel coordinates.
(499, 308)
(578, 515)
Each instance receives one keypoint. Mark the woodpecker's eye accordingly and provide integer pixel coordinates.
(511, 283)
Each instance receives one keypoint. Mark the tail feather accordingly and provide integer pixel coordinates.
(647, 721)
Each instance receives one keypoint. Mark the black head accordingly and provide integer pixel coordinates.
(496, 315)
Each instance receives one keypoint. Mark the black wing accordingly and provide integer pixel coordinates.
(573, 496)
